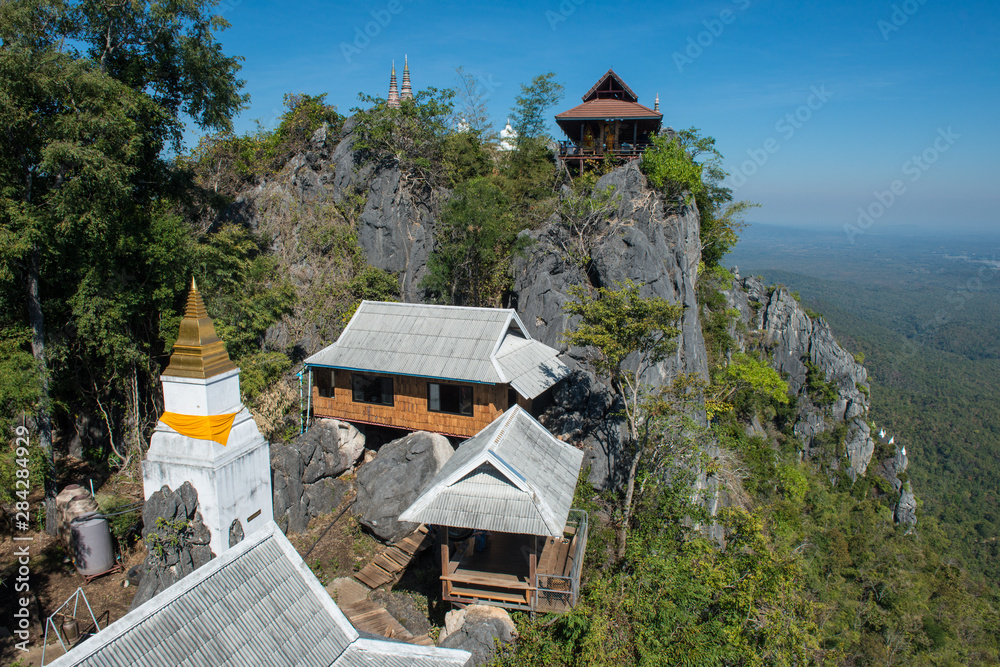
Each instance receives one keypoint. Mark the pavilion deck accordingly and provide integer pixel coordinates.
(629, 151)
(517, 571)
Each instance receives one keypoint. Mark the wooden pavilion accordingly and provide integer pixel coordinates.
(502, 507)
(609, 123)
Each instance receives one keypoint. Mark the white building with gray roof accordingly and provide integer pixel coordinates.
(256, 604)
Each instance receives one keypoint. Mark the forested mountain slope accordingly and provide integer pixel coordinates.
(742, 511)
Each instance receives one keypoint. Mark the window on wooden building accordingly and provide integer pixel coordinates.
(371, 389)
(455, 399)
(323, 381)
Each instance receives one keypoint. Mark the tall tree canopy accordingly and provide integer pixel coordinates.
(91, 93)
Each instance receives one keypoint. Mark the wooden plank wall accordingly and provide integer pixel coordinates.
(409, 410)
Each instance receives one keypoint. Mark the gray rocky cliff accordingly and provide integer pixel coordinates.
(773, 320)
(803, 349)
(645, 240)
(311, 211)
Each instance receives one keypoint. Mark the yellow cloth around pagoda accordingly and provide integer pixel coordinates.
(212, 427)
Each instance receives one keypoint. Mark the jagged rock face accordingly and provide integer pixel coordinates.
(655, 248)
(304, 472)
(390, 483)
(177, 538)
(778, 323)
(330, 184)
(645, 242)
(397, 230)
(906, 510)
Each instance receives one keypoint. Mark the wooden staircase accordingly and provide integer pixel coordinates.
(387, 567)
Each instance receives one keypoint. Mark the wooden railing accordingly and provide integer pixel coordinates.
(570, 151)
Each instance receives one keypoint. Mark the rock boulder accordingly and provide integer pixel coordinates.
(476, 629)
(394, 479)
(304, 472)
(177, 539)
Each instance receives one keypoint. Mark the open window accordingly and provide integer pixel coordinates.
(371, 389)
(454, 399)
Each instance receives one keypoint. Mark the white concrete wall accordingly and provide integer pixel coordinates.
(233, 481)
(218, 395)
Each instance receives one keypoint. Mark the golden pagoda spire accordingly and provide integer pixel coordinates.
(198, 352)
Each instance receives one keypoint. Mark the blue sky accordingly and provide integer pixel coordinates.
(819, 107)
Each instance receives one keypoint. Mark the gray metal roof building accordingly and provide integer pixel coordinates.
(256, 604)
(512, 477)
(480, 345)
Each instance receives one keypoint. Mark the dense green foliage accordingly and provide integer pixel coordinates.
(90, 95)
(411, 135)
(687, 167)
(477, 235)
(227, 163)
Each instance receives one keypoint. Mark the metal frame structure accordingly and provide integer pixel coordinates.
(75, 598)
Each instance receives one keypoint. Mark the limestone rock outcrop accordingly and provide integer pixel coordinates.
(304, 472)
(390, 482)
(177, 539)
(477, 629)
(804, 350)
(645, 239)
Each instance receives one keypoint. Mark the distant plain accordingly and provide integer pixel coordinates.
(924, 310)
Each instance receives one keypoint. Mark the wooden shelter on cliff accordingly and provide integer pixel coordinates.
(609, 123)
(502, 504)
(447, 369)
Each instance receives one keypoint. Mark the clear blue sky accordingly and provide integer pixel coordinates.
(887, 80)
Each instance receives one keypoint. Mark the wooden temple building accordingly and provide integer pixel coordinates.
(502, 505)
(446, 369)
(609, 123)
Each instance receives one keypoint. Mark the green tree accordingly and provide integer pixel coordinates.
(627, 335)
(90, 93)
(411, 134)
(478, 234)
(749, 379)
(687, 167)
(528, 113)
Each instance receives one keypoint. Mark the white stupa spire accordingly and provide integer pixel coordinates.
(508, 135)
(881, 433)
(892, 440)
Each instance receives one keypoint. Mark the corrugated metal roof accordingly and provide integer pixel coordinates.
(511, 477)
(447, 342)
(530, 366)
(605, 108)
(256, 604)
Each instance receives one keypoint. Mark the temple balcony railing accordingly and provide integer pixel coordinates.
(627, 150)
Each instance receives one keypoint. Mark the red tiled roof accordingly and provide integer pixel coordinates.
(602, 109)
(611, 72)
